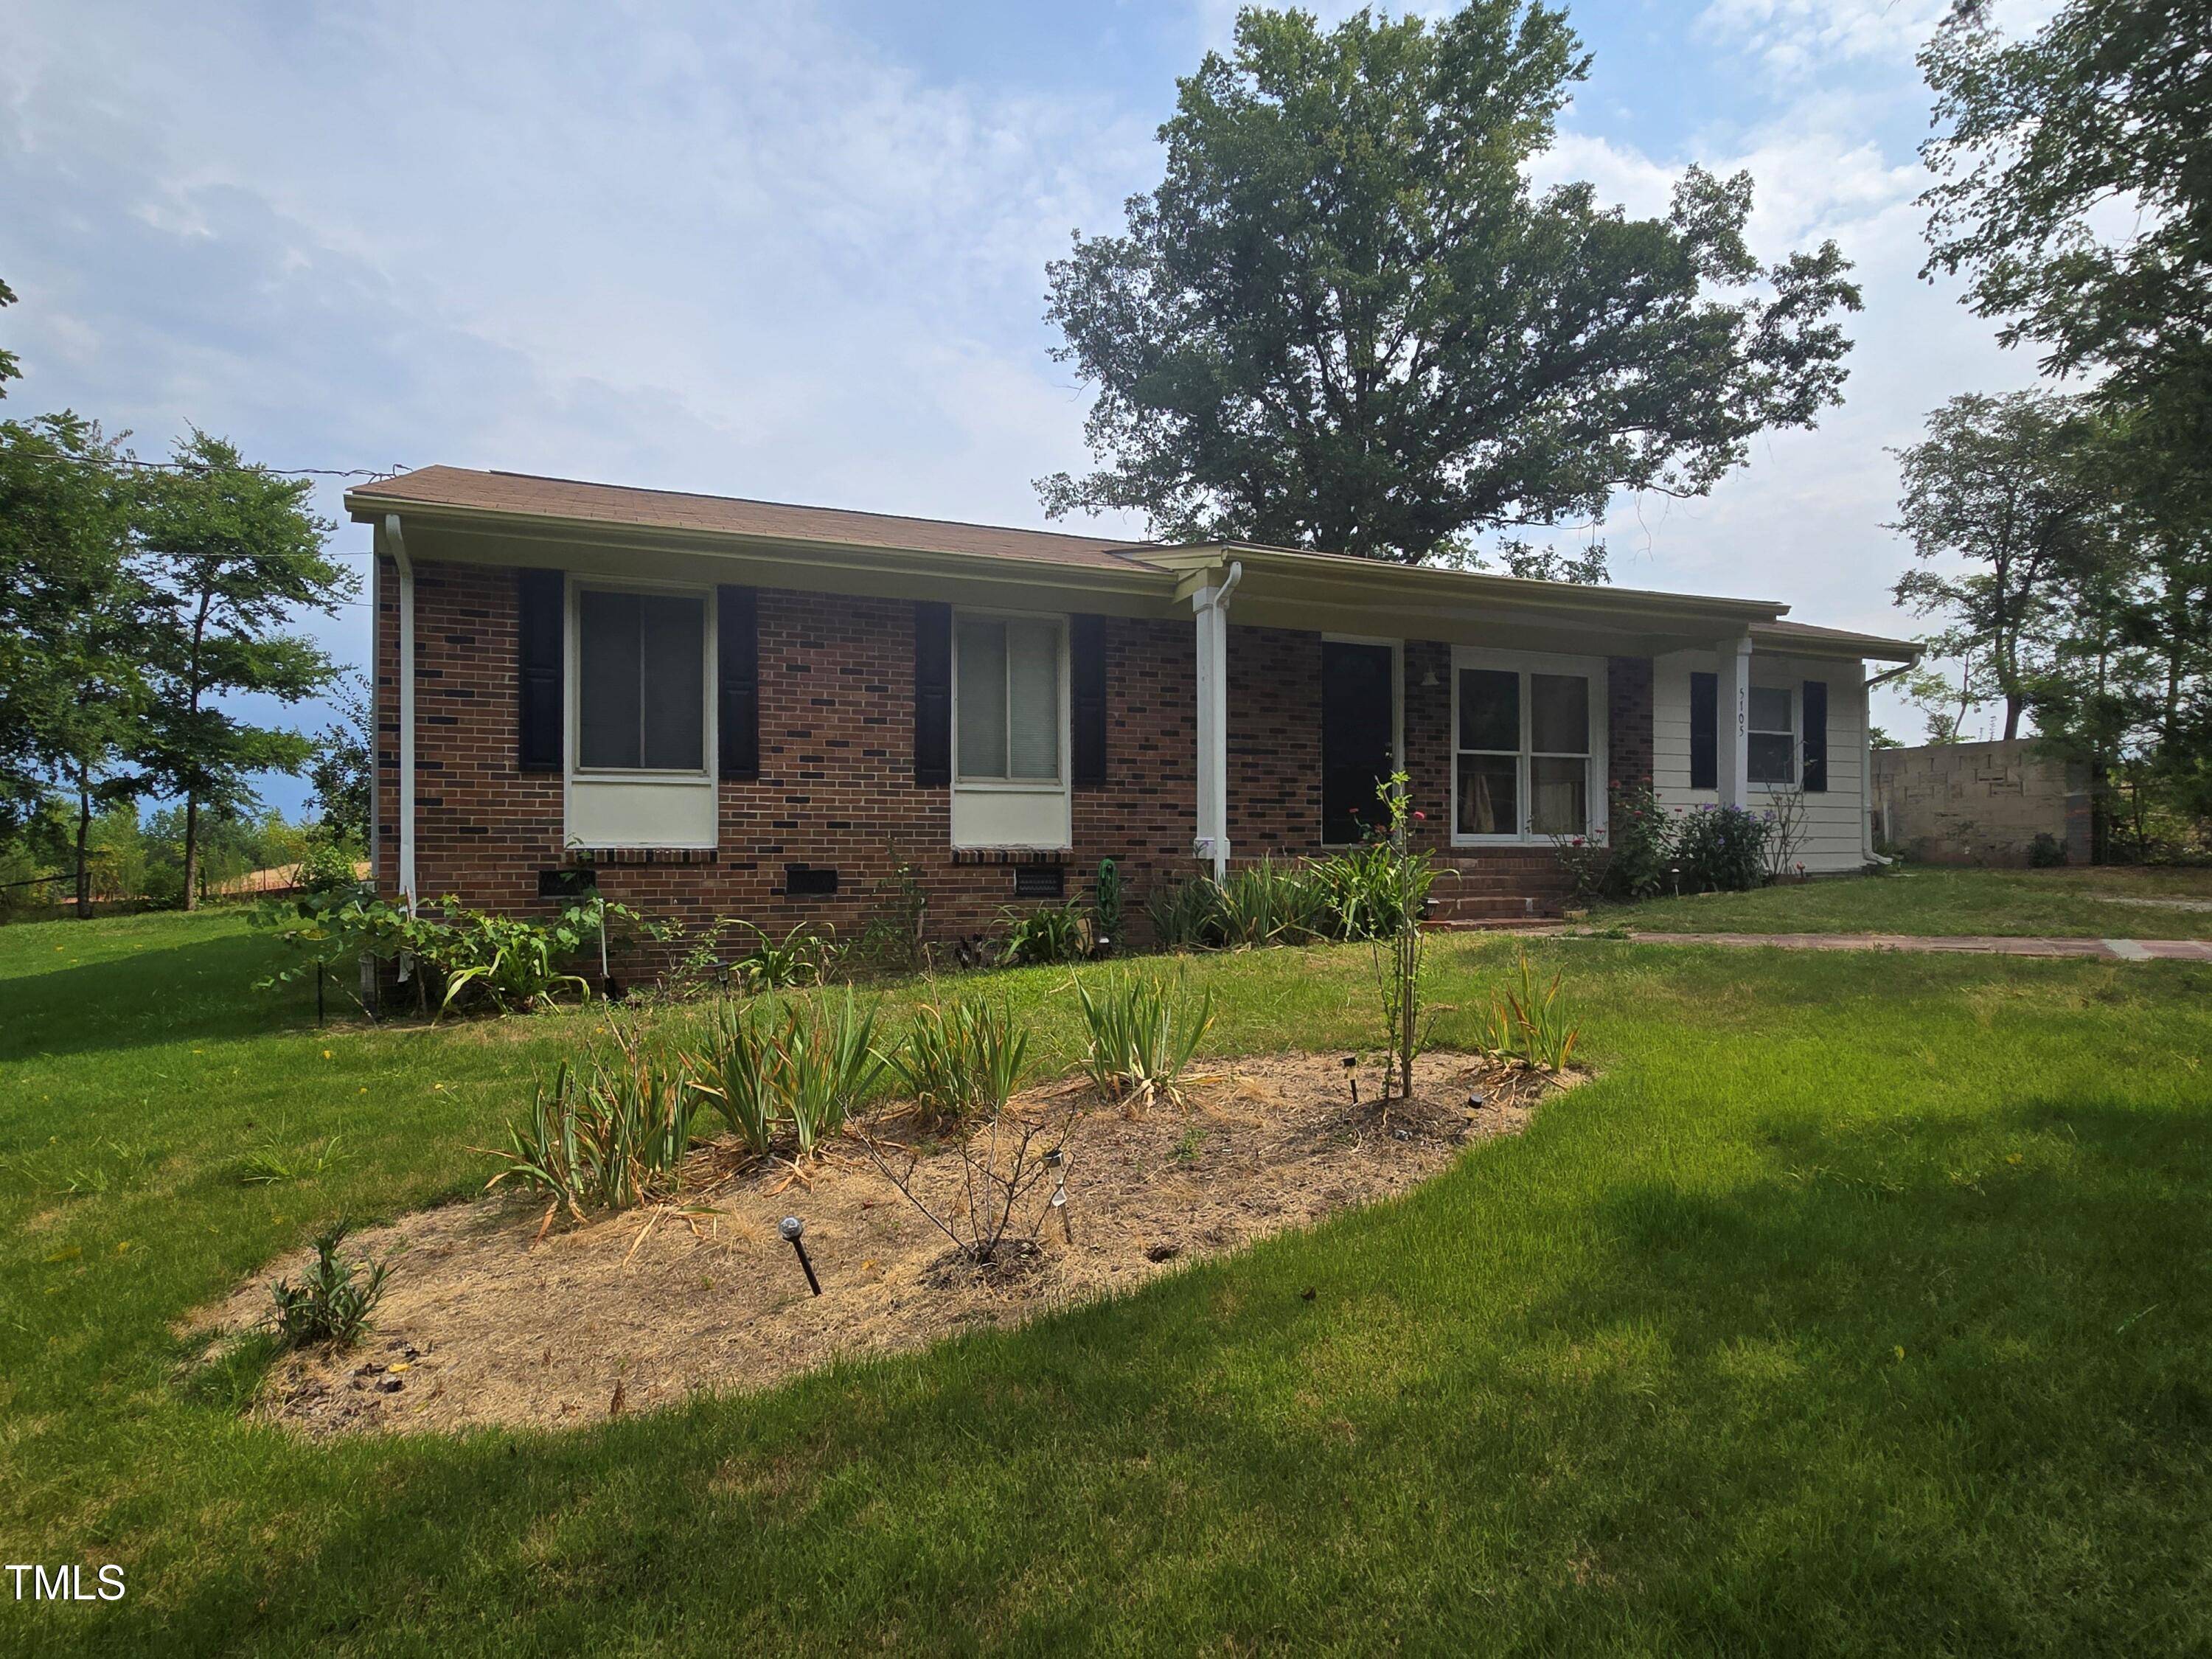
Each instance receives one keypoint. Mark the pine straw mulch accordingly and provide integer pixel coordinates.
(484, 1322)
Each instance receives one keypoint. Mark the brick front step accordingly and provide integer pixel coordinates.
(1518, 907)
(1447, 891)
(1493, 924)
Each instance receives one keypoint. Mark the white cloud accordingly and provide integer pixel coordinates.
(673, 246)
(750, 250)
(1796, 37)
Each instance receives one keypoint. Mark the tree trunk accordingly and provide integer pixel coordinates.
(191, 853)
(2012, 715)
(191, 798)
(2101, 812)
(83, 838)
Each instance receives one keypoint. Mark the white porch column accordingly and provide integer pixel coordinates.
(1210, 607)
(1734, 701)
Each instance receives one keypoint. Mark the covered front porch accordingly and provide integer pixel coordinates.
(1510, 706)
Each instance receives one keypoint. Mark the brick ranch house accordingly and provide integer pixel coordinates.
(708, 707)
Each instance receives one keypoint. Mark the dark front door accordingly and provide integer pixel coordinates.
(1357, 753)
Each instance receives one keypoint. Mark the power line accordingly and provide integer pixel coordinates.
(392, 471)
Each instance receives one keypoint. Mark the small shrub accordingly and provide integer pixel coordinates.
(963, 1064)
(1186, 915)
(1722, 849)
(1271, 903)
(1403, 879)
(327, 869)
(1784, 829)
(1141, 1039)
(1051, 933)
(1585, 861)
(1360, 891)
(827, 1065)
(892, 937)
(1640, 841)
(1106, 908)
(472, 955)
(333, 1300)
(610, 1136)
(2046, 851)
(164, 887)
(737, 1072)
(800, 959)
(1531, 1026)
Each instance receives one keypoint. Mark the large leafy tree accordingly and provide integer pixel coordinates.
(236, 554)
(341, 771)
(70, 608)
(2000, 499)
(1344, 320)
(2074, 189)
(2074, 193)
(9, 369)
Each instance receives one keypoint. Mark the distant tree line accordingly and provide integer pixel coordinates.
(2066, 537)
(138, 603)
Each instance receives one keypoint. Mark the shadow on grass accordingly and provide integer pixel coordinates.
(1896, 1391)
(200, 989)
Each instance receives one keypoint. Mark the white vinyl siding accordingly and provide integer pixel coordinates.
(1833, 840)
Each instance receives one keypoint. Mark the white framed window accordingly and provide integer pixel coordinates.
(1528, 745)
(640, 704)
(1009, 701)
(1773, 729)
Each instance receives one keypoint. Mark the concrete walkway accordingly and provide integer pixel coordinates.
(2100, 950)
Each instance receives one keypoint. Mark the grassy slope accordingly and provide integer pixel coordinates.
(1850, 1311)
(1923, 899)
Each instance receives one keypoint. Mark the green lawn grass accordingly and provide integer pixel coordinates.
(1926, 899)
(1855, 1307)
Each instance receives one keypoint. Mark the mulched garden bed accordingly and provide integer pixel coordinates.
(484, 1322)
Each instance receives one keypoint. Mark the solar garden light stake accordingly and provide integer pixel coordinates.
(792, 1227)
(1352, 1077)
(1056, 1161)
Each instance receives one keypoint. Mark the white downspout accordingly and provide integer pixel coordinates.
(398, 542)
(1866, 763)
(1210, 607)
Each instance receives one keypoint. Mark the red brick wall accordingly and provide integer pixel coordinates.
(1628, 719)
(837, 784)
(1429, 740)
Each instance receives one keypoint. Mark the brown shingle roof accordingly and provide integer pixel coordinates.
(571, 499)
(1812, 637)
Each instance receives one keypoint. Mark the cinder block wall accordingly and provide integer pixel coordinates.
(1980, 803)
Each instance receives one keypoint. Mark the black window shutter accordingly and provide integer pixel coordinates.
(736, 671)
(539, 597)
(933, 694)
(1816, 737)
(1086, 699)
(1704, 731)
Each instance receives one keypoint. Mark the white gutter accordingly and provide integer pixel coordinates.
(1866, 763)
(398, 542)
(1210, 607)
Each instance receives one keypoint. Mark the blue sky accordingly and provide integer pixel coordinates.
(796, 250)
